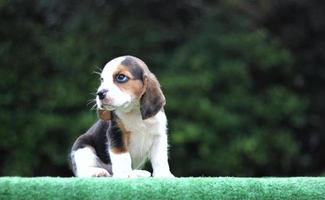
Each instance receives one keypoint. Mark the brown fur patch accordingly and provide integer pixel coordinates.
(133, 86)
(125, 139)
(104, 114)
(119, 150)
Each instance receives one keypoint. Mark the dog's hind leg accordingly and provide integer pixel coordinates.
(85, 163)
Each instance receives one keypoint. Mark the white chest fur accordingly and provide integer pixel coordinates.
(142, 134)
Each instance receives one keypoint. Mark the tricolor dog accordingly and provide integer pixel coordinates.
(132, 126)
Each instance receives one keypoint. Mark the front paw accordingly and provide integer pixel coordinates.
(133, 174)
(139, 174)
(93, 172)
(99, 172)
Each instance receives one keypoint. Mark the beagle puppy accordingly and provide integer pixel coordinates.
(132, 126)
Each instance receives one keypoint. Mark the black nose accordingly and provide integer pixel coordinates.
(102, 94)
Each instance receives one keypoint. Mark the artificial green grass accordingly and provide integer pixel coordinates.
(152, 188)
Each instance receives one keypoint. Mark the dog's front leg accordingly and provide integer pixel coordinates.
(159, 157)
(121, 163)
(118, 139)
(119, 154)
(121, 166)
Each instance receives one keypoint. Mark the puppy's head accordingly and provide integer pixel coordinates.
(127, 84)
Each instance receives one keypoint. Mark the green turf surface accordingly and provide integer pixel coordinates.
(151, 188)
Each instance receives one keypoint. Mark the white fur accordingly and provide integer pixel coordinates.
(88, 164)
(159, 157)
(148, 140)
(121, 167)
(121, 164)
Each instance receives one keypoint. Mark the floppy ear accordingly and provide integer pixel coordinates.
(104, 114)
(152, 100)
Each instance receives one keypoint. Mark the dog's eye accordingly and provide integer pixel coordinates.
(121, 78)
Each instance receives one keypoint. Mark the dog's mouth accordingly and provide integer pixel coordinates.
(104, 106)
(112, 107)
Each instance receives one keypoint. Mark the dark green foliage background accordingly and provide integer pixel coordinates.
(243, 80)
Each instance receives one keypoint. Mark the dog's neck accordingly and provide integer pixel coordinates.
(132, 115)
(131, 120)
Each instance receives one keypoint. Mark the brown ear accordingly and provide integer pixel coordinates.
(104, 114)
(152, 100)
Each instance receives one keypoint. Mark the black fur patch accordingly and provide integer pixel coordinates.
(95, 137)
(132, 65)
(102, 136)
(114, 134)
